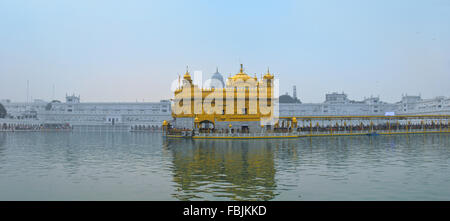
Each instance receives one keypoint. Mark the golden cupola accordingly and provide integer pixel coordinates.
(268, 76)
(241, 75)
(187, 76)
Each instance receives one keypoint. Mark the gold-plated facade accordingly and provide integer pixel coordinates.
(244, 98)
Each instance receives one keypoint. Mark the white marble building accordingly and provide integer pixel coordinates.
(125, 114)
(416, 105)
(23, 110)
(337, 104)
(151, 114)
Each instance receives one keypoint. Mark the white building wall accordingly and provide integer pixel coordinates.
(148, 114)
(438, 105)
(336, 109)
(23, 109)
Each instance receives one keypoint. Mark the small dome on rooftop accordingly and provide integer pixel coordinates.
(216, 80)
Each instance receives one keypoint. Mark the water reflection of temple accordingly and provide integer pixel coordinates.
(225, 169)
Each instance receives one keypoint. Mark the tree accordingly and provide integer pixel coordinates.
(2, 111)
(49, 105)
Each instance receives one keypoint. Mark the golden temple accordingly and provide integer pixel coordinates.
(244, 103)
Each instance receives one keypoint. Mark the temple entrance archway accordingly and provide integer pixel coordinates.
(206, 124)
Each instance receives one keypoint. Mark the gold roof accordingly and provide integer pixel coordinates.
(268, 75)
(187, 76)
(241, 75)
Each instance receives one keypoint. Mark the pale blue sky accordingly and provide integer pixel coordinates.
(128, 50)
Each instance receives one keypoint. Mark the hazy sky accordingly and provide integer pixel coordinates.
(128, 50)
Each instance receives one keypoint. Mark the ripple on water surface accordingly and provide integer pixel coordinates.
(144, 166)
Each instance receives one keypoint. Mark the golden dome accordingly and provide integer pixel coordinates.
(294, 120)
(196, 119)
(268, 75)
(164, 123)
(187, 76)
(241, 75)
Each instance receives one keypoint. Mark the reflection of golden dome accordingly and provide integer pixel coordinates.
(196, 119)
(294, 120)
(241, 75)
